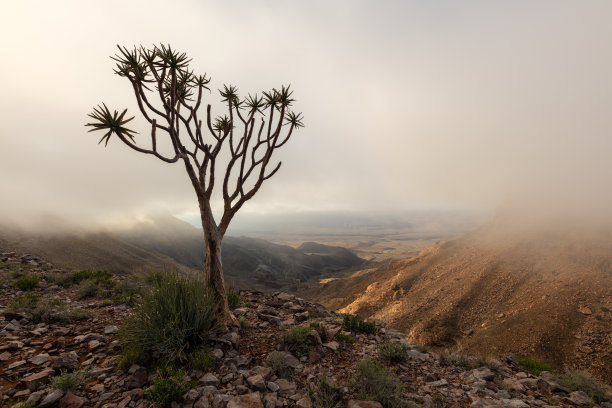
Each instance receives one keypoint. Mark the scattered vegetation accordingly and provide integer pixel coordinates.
(356, 324)
(344, 340)
(325, 395)
(321, 330)
(296, 341)
(129, 357)
(278, 362)
(168, 386)
(68, 381)
(88, 289)
(24, 404)
(534, 366)
(99, 277)
(374, 382)
(605, 309)
(244, 323)
(448, 357)
(394, 352)
(45, 310)
(578, 380)
(27, 282)
(175, 317)
(233, 298)
(201, 360)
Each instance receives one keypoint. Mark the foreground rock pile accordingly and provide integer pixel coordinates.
(32, 354)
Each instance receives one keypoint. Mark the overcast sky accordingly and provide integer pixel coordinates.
(407, 104)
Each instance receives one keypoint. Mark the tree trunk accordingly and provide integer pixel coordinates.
(213, 267)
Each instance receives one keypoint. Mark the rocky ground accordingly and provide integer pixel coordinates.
(86, 340)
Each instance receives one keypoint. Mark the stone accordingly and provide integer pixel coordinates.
(40, 359)
(585, 310)
(513, 384)
(272, 386)
(66, 361)
(5, 356)
(332, 345)
(71, 401)
(209, 379)
(580, 398)
(363, 404)
(304, 402)
(252, 400)
(52, 398)
(217, 354)
(202, 402)
(111, 329)
(265, 372)
(270, 400)
(481, 373)
(285, 388)
(34, 381)
(138, 379)
(16, 364)
(256, 382)
(35, 397)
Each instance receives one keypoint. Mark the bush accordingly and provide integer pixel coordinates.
(578, 380)
(201, 360)
(321, 330)
(88, 289)
(374, 382)
(175, 317)
(357, 325)
(296, 341)
(24, 404)
(535, 367)
(244, 323)
(344, 340)
(394, 352)
(167, 387)
(233, 299)
(278, 362)
(47, 310)
(326, 395)
(27, 282)
(68, 381)
(99, 277)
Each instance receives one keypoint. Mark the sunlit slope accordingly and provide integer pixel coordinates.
(542, 291)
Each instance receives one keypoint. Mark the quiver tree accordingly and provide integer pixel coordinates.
(169, 96)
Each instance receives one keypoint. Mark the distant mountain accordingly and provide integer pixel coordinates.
(167, 242)
(248, 260)
(542, 291)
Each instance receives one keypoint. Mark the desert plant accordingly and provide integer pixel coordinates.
(201, 360)
(233, 299)
(297, 341)
(325, 394)
(175, 317)
(344, 340)
(46, 310)
(244, 323)
(24, 404)
(100, 277)
(88, 289)
(168, 386)
(357, 325)
(321, 330)
(374, 382)
(394, 352)
(67, 381)
(278, 362)
(579, 380)
(249, 134)
(27, 282)
(534, 366)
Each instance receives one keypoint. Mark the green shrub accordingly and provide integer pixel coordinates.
(325, 395)
(24, 404)
(68, 381)
(344, 340)
(88, 289)
(321, 330)
(167, 387)
(126, 293)
(296, 341)
(394, 352)
(578, 380)
(201, 360)
(535, 367)
(99, 277)
(233, 299)
(129, 357)
(47, 310)
(374, 382)
(27, 282)
(244, 323)
(175, 317)
(278, 362)
(357, 325)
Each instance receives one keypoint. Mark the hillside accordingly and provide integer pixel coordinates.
(541, 290)
(59, 348)
(166, 242)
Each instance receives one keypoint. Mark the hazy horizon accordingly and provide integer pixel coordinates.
(429, 106)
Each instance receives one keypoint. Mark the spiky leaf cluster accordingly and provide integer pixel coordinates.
(110, 122)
